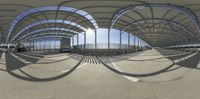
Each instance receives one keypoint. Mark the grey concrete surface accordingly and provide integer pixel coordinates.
(34, 76)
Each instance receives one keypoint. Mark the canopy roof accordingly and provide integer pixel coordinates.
(158, 22)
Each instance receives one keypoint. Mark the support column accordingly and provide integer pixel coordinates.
(108, 38)
(120, 42)
(128, 42)
(109, 42)
(50, 44)
(84, 52)
(55, 44)
(40, 46)
(35, 46)
(138, 43)
(95, 31)
(77, 47)
(120, 38)
(30, 45)
(135, 47)
(73, 43)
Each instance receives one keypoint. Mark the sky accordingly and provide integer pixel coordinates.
(102, 39)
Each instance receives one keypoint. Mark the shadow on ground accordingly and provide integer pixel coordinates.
(13, 63)
(186, 59)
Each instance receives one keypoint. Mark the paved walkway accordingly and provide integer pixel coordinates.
(162, 74)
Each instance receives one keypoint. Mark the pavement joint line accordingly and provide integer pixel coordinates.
(81, 66)
(133, 79)
(184, 58)
(28, 56)
(21, 59)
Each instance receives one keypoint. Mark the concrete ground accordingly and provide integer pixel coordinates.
(150, 74)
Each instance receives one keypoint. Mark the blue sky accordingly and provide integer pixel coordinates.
(102, 37)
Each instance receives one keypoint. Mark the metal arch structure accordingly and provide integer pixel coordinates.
(183, 28)
(183, 9)
(124, 21)
(180, 8)
(48, 29)
(171, 32)
(6, 25)
(43, 37)
(22, 5)
(177, 30)
(48, 22)
(117, 18)
(45, 9)
(113, 6)
(47, 34)
(165, 20)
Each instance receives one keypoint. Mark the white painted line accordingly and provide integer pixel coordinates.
(133, 79)
(64, 71)
(117, 68)
(81, 66)
(184, 58)
(3, 58)
(3, 55)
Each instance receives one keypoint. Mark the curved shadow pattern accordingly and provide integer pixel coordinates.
(29, 77)
(167, 69)
(3, 70)
(168, 56)
(136, 75)
(190, 62)
(35, 61)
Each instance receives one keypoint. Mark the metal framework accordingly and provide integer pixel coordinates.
(159, 24)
